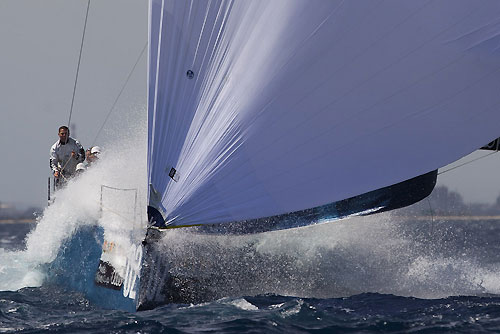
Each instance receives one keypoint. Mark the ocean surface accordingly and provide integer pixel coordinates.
(390, 276)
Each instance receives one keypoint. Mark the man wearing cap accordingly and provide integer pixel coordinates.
(65, 154)
(93, 155)
(80, 168)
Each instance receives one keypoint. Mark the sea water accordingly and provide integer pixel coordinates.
(371, 274)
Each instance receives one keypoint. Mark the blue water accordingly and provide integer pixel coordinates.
(48, 309)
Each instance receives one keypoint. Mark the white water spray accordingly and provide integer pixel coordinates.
(122, 165)
(384, 253)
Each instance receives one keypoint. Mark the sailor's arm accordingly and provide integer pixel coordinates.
(79, 153)
(53, 162)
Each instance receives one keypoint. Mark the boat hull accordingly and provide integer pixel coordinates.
(76, 266)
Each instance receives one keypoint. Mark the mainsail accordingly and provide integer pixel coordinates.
(259, 108)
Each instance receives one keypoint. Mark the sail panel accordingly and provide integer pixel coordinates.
(262, 108)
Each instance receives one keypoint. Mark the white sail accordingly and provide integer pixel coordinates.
(258, 108)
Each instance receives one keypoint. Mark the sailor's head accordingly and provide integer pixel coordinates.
(80, 168)
(63, 134)
(92, 153)
(95, 150)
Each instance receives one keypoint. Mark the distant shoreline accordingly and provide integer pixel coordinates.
(473, 218)
(17, 221)
(452, 217)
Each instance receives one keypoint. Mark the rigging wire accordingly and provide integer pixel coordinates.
(467, 162)
(120, 93)
(79, 61)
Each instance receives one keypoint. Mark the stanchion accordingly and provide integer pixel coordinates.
(48, 192)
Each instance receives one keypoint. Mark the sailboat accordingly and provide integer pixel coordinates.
(269, 115)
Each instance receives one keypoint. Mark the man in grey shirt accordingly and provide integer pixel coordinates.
(65, 154)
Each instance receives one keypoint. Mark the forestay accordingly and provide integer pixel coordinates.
(258, 108)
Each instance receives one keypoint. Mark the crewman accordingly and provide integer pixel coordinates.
(80, 168)
(92, 155)
(65, 154)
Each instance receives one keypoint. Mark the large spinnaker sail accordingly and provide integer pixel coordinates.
(259, 108)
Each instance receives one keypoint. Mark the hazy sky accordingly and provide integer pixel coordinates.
(40, 43)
